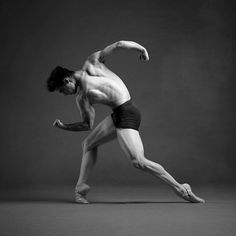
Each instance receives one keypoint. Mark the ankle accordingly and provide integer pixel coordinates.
(180, 189)
(82, 188)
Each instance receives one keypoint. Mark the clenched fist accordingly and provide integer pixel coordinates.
(57, 123)
(144, 55)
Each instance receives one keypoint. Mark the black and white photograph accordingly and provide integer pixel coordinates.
(118, 118)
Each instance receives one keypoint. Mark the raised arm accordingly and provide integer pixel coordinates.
(87, 113)
(130, 45)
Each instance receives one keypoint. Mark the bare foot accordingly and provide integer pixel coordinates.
(80, 193)
(186, 193)
(81, 199)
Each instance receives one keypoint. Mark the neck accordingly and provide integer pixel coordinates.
(77, 77)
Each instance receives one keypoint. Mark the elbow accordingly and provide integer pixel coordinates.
(89, 126)
(120, 44)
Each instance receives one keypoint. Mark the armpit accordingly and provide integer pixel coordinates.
(96, 57)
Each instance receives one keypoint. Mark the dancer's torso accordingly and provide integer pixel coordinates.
(101, 85)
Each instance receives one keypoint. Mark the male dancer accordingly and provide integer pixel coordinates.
(93, 84)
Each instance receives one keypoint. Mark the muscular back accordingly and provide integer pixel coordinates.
(101, 85)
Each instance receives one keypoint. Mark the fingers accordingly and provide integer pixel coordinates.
(144, 56)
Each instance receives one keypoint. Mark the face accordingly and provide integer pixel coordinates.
(68, 88)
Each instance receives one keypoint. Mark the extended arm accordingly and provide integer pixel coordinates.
(130, 45)
(87, 113)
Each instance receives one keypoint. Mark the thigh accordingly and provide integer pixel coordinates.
(131, 143)
(104, 132)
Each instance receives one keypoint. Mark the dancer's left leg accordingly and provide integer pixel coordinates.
(103, 133)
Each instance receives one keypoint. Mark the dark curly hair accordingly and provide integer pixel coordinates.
(56, 77)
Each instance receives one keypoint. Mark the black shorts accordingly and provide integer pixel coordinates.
(126, 116)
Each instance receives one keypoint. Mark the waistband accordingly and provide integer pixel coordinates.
(123, 104)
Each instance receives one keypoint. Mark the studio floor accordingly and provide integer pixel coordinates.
(117, 210)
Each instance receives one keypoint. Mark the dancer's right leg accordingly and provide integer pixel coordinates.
(132, 145)
(103, 133)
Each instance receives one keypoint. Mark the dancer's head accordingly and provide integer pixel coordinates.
(61, 80)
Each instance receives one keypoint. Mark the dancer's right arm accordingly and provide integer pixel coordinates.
(87, 113)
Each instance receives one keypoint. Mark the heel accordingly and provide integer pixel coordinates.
(82, 189)
(81, 192)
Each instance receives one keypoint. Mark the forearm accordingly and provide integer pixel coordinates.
(78, 126)
(130, 45)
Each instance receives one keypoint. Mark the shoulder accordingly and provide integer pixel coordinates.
(93, 66)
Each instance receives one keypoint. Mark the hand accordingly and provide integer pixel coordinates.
(144, 56)
(57, 123)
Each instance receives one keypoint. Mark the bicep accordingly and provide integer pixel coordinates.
(109, 49)
(87, 111)
(101, 55)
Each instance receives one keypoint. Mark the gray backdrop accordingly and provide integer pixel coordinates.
(186, 92)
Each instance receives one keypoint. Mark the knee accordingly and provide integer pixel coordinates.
(85, 145)
(140, 164)
(146, 165)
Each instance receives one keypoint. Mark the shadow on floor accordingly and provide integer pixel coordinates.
(135, 202)
(71, 201)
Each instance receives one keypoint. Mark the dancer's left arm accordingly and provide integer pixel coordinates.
(122, 44)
